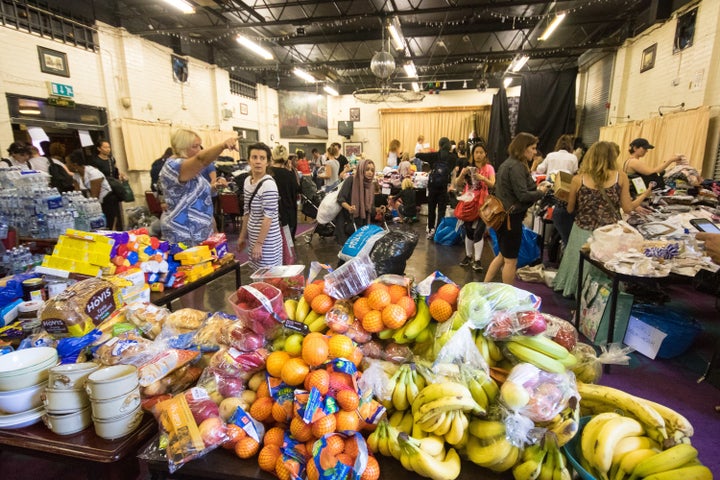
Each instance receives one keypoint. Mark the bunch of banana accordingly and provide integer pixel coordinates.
(384, 440)
(415, 329)
(300, 311)
(489, 447)
(553, 465)
(487, 348)
(662, 424)
(566, 423)
(601, 437)
(402, 420)
(440, 407)
(405, 385)
(541, 351)
(483, 388)
(531, 462)
(676, 463)
(445, 466)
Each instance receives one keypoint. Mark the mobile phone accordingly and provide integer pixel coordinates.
(705, 225)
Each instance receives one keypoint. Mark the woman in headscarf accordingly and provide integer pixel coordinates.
(356, 197)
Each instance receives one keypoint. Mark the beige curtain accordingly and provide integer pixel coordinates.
(144, 142)
(213, 137)
(406, 124)
(681, 132)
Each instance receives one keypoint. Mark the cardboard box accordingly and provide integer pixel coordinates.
(561, 187)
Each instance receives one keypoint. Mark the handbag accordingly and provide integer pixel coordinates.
(493, 213)
(121, 189)
(469, 210)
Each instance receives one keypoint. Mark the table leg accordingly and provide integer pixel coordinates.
(578, 293)
(613, 312)
(238, 281)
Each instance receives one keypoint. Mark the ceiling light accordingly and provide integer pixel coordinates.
(553, 25)
(182, 5)
(396, 33)
(410, 69)
(415, 87)
(330, 91)
(518, 63)
(29, 111)
(507, 81)
(304, 75)
(254, 47)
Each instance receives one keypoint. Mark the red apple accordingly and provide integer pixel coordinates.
(213, 431)
(532, 322)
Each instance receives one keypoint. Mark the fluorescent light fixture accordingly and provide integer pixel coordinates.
(464, 83)
(444, 85)
(553, 25)
(518, 63)
(254, 47)
(396, 34)
(507, 81)
(410, 69)
(330, 91)
(30, 111)
(304, 75)
(181, 5)
(415, 87)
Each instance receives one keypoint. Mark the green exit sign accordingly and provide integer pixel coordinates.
(61, 90)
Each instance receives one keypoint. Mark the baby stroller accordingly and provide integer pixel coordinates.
(311, 198)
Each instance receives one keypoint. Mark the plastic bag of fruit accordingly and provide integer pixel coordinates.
(259, 306)
(350, 278)
(325, 457)
(478, 302)
(506, 323)
(589, 365)
(461, 349)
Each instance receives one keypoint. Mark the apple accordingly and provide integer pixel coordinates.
(256, 380)
(229, 406)
(514, 395)
(293, 344)
(279, 343)
(213, 431)
(532, 322)
(248, 396)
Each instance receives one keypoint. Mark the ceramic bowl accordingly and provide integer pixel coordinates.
(113, 407)
(118, 427)
(59, 402)
(17, 401)
(23, 419)
(69, 423)
(109, 382)
(71, 376)
(25, 368)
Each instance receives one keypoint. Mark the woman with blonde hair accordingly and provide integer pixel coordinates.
(596, 195)
(393, 153)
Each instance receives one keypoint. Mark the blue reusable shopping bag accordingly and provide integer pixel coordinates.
(529, 248)
(449, 232)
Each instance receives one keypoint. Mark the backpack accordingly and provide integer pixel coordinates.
(439, 176)
(60, 178)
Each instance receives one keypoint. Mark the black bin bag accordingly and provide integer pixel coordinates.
(391, 252)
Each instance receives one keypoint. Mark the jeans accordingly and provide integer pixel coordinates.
(563, 222)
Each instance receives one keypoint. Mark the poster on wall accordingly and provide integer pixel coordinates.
(302, 115)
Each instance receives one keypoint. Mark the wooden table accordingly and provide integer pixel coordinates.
(102, 459)
(165, 298)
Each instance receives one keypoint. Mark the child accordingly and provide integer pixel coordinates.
(408, 209)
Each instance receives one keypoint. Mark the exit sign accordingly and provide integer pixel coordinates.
(61, 90)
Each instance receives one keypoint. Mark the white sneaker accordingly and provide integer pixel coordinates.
(431, 234)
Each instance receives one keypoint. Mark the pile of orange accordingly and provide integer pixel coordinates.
(319, 301)
(384, 307)
(443, 302)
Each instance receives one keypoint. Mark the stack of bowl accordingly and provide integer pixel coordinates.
(23, 375)
(67, 404)
(115, 401)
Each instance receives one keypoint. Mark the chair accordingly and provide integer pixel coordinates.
(153, 204)
(230, 207)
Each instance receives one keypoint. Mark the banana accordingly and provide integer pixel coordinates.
(630, 444)
(372, 441)
(433, 445)
(420, 322)
(385, 334)
(302, 310)
(487, 431)
(318, 325)
(399, 337)
(425, 464)
(457, 428)
(674, 421)
(412, 388)
(433, 422)
(448, 404)
(629, 461)
(399, 395)
(484, 455)
(482, 346)
(506, 463)
(392, 441)
(435, 391)
(424, 336)
(290, 308)
(548, 466)
(406, 425)
(396, 418)
(569, 422)
(311, 317)
(495, 353)
(529, 469)
(542, 344)
(561, 471)
(444, 427)
(590, 433)
(610, 434)
(672, 458)
(615, 399)
(492, 390)
(692, 472)
(478, 394)
(540, 360)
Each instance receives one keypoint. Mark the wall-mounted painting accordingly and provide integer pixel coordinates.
(648, 58)
(302, 115)
(353, 148)
(53, 62)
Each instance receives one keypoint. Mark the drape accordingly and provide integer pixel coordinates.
(499, 134)
(681, 132)
(406, 124)
(547, 106)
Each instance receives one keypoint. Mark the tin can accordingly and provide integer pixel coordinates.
(34, 289)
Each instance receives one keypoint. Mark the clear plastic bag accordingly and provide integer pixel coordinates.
(589, 366)
(351, 278)
(478, 302)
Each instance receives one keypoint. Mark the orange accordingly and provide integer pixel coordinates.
(397, 292)
(351, 447)
(282, 412)
(274, 436)
(246, 447)
(360, 308)
(340, 381)
(373, 322)
(314, 351)
(408, 304)
(234, 434)
(346, 459)
(448, 292)
(379, 299)
(267, 458)
(323, 426)
(281, 470)
(319, 379)
(347, 421)
(335, 444)
(263, 390)
(340, 346)
(312, 290)
(394, 316)
(356, 356)
(300, 430)
(372, 470)
(375, 286)
(275, 361)
(294, 371)
(440, 310)
(311, 470)
(322, 303)
(348, 400)
(261, 408)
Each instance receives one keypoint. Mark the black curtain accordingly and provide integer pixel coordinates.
(547, 106)
(499, 134)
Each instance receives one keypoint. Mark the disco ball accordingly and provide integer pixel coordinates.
(382, 64)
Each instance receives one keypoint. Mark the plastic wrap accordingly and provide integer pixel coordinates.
(589, 366)
(351, 278)
(327, 464)
(391, 252)
(361, 242)
(215, 332)
(72, 349)
(128, 348)
(506, 323)
(461, 350)
(561, 331)
(478, 302)
(148, 318)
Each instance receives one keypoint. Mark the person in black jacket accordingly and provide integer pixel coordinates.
(516, 189)
(441, 164)
(156, 167)
(288, 188)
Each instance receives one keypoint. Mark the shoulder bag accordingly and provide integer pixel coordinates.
(469, 210)
(493, 213)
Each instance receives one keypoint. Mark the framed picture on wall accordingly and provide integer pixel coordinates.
(243, 109)
(53, 62)
(648, 58)
(355, 114)
(352, 148)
